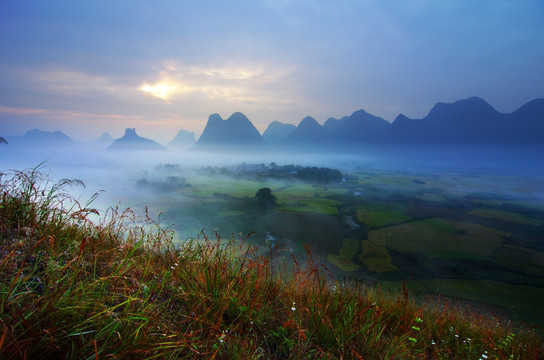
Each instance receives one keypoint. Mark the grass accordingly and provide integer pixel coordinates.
(118, 287)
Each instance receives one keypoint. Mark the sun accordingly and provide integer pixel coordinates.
(162, 90)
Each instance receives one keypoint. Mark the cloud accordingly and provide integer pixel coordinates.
(70, 81)
(232, 83)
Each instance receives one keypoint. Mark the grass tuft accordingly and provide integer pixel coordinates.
(120, 288)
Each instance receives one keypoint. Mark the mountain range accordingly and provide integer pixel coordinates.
(468, 121)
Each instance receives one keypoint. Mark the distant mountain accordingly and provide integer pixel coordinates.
(276, 132)
(308, 134)
(104, 140)
(131, 141)
(38, 137)
(530, 117)
(357, 129)
(471, 121)
(183, 140)
(235, 133)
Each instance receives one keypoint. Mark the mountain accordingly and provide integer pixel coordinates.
(183, 140)
(308, 134)
(530, 117)
(131, 141)
(276, 132)
(359, 128)
(104, 140)
(235, 133)
(471, 121)
(38, 137)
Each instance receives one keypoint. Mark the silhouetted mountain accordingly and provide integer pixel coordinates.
(38, 137)
(276, 132)
(471, 121)
(235, 133)
(308, 134)
(530, 117)
(357, 129)
(131, 141)
(183, 140)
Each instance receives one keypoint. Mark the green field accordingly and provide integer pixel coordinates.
(450, 234)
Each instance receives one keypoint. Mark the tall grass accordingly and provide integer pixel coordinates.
(120, 288)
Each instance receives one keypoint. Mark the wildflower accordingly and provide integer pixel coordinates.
(457, 336)
(176, 264)
(293, 307)
(171, 267)
(484, 356)
(432, 342)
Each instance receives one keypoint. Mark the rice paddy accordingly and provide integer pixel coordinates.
(444, 234)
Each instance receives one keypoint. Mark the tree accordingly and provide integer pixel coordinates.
(265, 199)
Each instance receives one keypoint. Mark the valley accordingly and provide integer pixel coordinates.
(470, 236)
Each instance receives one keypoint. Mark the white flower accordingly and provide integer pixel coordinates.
(176, 264)
(171, 267)
(293, 307)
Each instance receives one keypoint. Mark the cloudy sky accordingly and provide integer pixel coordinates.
(85, 67)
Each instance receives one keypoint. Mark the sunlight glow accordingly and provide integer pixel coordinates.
(161, 90)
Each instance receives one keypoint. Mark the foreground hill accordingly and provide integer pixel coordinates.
(122, 289)
(234, 133)
(131, 141)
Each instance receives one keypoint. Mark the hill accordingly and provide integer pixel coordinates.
(234, 133)
(471, 121)
(183, 140)
(276, 132)
(38, 137)
(131, 141)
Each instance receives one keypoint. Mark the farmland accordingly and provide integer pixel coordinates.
(473, 237)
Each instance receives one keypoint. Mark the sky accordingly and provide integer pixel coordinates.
(88, 67)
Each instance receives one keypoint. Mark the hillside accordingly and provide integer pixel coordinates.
(234, 133)
(73, 288)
